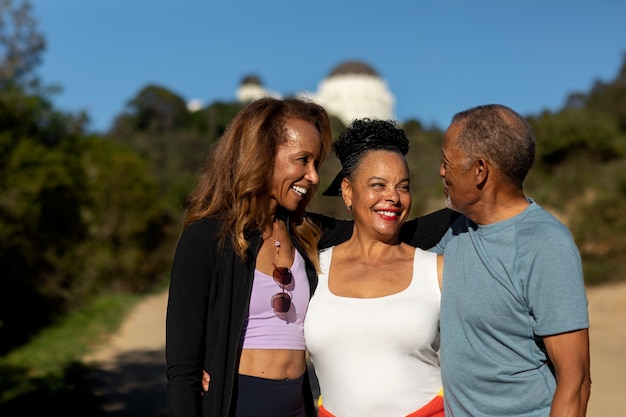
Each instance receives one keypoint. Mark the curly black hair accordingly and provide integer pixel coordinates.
(361, 136)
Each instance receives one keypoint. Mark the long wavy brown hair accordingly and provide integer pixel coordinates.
(234, 185)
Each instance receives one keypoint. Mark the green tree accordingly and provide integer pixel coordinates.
(213, 119)
(155, 109)
(571, 131)
(600, 226)
(21, 45)
(175, 154)
(78, 215)
(610, 98)
(424, 160)
(130, 228)
(41, 191)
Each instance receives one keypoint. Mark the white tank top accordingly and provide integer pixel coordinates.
(376, 356)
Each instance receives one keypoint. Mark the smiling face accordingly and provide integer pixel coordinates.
(295, 164)
(379, 193)
(459, 185)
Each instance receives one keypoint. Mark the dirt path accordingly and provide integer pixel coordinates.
(607, 313)
(132, 375)
(131, 379)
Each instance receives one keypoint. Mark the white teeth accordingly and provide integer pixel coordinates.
(388, 213)
(299, 190)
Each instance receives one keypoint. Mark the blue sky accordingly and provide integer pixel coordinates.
(438, 57)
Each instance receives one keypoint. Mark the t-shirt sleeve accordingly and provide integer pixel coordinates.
(556, 292)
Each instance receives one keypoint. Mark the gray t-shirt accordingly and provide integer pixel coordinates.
(504, 286)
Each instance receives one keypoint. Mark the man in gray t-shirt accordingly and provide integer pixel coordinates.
(514, 320)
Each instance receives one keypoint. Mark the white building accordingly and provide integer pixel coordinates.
(251, 88)
(352, 90)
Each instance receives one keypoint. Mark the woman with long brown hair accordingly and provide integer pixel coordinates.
(245, 267)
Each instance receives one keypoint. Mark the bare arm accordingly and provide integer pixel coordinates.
(569, 353)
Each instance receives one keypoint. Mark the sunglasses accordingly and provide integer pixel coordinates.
(281, 302)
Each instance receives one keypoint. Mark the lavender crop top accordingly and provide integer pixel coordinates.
(264, 328)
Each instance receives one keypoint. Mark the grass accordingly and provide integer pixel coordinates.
(48, 372)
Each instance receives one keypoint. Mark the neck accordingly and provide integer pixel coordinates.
(497, 211)
(372, 246)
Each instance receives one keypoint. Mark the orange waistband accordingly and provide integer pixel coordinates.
(433, 409)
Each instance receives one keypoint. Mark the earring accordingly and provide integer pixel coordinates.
(349, 209)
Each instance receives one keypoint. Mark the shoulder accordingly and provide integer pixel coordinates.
(429, 266)
(541, 223)
(202, 235)
(426, 260)
(204, 228)
(325, 256)
(422, 255)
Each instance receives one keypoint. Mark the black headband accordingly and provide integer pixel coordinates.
(353, 150)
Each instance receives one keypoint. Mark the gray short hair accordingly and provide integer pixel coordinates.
(500, 135)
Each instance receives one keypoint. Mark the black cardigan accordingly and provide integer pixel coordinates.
(210, 294)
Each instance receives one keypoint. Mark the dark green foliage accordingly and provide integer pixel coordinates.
(608, 98)
(424, 160)
(175, 155)
(214, 119)
(78, 216)
(130, 227)
(155, 109)
(41, 191)
(600, 225)
(576, 131)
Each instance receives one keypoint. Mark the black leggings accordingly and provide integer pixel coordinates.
(259, 397)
